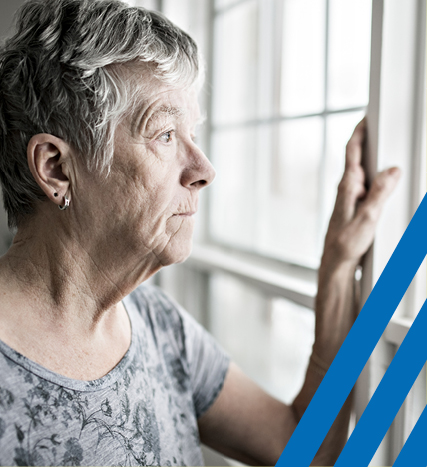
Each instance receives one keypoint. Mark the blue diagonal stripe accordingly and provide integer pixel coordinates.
(414, 452)
(359, 344)
(388, 397)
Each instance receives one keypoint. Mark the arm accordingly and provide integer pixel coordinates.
(246, 423)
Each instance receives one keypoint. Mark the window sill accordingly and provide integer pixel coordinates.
(277, 279)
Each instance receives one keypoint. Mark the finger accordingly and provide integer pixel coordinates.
(382, 186)
(350, 190)
(360, 232)
(354, 148)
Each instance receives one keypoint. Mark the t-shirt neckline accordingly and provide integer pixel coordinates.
(75, 384)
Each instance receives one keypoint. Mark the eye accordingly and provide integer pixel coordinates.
(166, 137)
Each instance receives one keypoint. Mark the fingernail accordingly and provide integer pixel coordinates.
(395, 171)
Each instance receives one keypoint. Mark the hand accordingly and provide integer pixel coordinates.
(352, 226)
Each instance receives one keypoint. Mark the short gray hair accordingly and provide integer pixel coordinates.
(61, 74)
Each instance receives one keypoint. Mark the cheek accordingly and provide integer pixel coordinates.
(153, 212)
(147, 196)
(146, 192)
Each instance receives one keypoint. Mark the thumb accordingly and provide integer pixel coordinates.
(382, 186)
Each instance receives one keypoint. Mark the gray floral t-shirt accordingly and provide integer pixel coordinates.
(144, 412)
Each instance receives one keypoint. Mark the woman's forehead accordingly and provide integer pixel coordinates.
(166, 103)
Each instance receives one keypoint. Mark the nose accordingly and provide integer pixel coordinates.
(198, 172)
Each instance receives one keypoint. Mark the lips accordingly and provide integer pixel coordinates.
(185, 213)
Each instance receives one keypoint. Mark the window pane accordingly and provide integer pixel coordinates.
(233, 192)
(235, 64)
(349, 53)
(339, 128)
(269, 339)
(289, 214)
(224, 3)
(178, 12)
(149, 4)
(303, 60)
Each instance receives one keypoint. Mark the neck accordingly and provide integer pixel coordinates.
(61, 299)
(61, 278)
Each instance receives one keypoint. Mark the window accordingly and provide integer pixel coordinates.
(288, 81)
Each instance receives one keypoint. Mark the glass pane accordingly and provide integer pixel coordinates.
(232, 194)
(349, 53)
(219, 4)
(339, 128)
(287, 226)
(235, 64)
(269, 339)
(179, 13)
(149, 4)
(303, 60)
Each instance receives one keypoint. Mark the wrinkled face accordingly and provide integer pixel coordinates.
(157, 174)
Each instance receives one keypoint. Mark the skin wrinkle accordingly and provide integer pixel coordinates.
(22, 280)
(140, 79)
(57, 302)
(98, 268)
(57, 298)
(83, 291)
(173, 235)
(51, 316)
(137, 122)
(100, 305)
(133, 181)
(142, 126)
(160, 228)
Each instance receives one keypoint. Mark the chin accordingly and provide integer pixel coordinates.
(176, 256)
(180, 245)
(178, 250)
(183, 257)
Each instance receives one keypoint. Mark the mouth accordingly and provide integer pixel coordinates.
(185, 214)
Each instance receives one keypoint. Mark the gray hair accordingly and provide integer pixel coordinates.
(62, 74)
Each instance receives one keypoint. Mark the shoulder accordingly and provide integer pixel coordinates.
(153, 303)
(188, 349)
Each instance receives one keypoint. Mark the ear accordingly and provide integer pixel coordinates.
(48, 158)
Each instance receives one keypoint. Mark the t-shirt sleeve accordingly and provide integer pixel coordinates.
(208, 364)
(203, 360)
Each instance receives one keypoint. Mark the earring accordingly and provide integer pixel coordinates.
(66, 204)
(55, 194)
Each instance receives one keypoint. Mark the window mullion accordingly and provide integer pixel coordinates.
(370, 376)
(322, 167)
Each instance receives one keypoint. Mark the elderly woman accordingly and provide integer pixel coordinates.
(98, 113)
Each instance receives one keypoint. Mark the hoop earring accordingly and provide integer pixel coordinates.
(66, 204)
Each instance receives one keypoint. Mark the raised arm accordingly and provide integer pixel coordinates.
(251, 426)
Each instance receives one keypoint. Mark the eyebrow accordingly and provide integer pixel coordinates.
(167, 110)
(144, 120)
